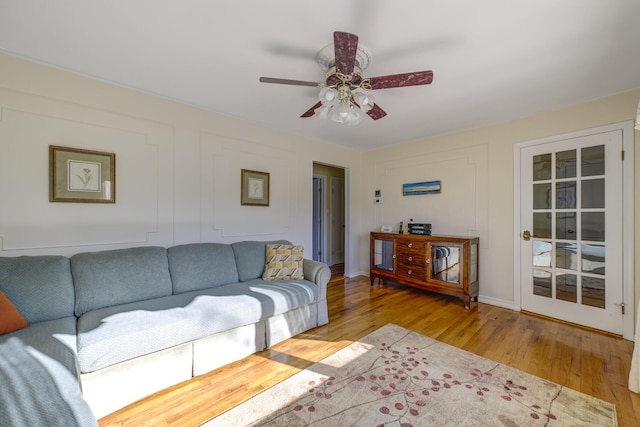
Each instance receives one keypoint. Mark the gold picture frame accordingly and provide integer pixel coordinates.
(254, 189)
(81, 176)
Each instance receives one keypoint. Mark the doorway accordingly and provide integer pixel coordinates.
(330, 186)
(571, 233)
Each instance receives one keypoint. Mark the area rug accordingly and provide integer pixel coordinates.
(396, 377)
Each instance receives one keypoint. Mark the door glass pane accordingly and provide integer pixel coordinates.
(542, 225)
(473, 263)
(593, 160)
(542, 167)
(542, 196)
(383, 254)
(566, 225)
(593, 193)
(541, 253)
(445, 263)
(566, 195)
(593, 291)
(593, 226)
(568, 245)
(542, 283)
(566, 256)
(566, 164)
(593, 259)
(566, 287)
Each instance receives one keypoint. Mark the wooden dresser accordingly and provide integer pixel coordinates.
(443, 264)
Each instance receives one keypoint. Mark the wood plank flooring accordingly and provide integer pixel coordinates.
(582, 359)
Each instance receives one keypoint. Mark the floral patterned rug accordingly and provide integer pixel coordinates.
(396, 377)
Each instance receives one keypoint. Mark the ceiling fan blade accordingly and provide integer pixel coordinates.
(376, 112)
(400, 80)
(346, 48)
(311, 110)
(288, 82)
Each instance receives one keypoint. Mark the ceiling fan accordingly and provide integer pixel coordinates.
(343, 92)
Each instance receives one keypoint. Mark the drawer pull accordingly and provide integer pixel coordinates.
(410, 245)
(410, 258)
(409, 272)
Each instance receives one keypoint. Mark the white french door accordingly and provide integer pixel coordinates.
(571, 237)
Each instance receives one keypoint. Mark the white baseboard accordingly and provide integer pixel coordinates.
(498, 303)
(356, 274)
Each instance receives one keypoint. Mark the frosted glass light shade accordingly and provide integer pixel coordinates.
(338, 105)
(341, 112)
(322, 112)
(328, 96)
(354, 117)
(364, 101)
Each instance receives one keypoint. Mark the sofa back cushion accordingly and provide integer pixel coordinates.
(108, 278)
(200, 266)
(250, 258)
(40, 287)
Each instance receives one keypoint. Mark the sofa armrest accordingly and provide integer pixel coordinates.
(38, 391)
(318, 273)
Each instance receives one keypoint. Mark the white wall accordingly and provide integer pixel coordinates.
(177, 169)
(476, 170)
(178, 172)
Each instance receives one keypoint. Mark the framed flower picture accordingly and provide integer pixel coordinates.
(81, 176)
(255, 188)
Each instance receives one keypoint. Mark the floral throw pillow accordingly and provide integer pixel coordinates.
(10, 318)
(283, 262)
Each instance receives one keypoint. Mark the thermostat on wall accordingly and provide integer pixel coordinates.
(377, 198)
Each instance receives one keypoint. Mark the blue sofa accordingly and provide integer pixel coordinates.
(129, 322)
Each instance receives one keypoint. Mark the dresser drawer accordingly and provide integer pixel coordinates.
(413, 246)
(411, 258)
(412, 272)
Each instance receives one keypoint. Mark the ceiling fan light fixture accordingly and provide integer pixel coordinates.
(328, 96)
(339, 113)
(342, 105)
(355, 117)
(337, 103)
(322, 112)
(364, 101)
(345, 112)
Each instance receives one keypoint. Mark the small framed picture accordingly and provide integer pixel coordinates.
(417, 188)
(81, 176)
(255, 188)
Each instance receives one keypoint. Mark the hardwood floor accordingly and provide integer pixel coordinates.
(584, 360)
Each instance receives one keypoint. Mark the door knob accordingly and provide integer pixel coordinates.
(526, 235)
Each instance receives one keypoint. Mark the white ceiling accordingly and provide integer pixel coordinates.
(493, 60)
